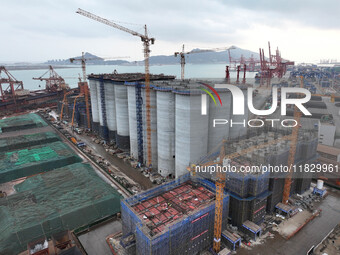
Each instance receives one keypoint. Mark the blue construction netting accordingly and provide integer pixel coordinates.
(139, 117)
(188, 235)
(247, 185)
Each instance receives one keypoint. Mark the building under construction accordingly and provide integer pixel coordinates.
(175, 218)
(181, 135)
(254, 194)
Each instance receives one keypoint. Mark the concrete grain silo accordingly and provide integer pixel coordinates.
(219, 132)
(131, 91)
(122, 116)
(110, 110)
(166, 131)
(94, 105)
(191, 142)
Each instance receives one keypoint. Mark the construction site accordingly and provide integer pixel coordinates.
(142, 163)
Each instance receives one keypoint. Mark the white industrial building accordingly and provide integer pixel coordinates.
(180, 135)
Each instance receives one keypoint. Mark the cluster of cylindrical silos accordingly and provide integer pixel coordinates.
(180, 134)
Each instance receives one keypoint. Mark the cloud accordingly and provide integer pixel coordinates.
(41, 30)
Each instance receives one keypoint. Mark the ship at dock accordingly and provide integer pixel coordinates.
(14, 98)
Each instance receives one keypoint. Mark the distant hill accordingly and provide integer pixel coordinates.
(204, 57)
(195, 58)
(91, 60)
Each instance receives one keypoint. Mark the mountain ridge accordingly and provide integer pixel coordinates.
(192, 58)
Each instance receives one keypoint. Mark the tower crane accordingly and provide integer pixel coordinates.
(183, 53)
(64, 102)
(84, 88)
(292, 151)
(83, 60)
(146, 44)
(221, 180)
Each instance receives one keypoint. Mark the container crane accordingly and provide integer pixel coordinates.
(221, 180)
(183, 53)
(292, 151)
(146, 44)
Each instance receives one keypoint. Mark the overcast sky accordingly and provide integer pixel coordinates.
(38, 30)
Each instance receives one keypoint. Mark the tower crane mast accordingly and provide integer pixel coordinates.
(146, 44)
(83, 64)
(85, 87)
(183, 53)
(292, 151)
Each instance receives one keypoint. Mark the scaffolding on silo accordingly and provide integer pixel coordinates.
(185, 234)
(104, 132)
(139, 117)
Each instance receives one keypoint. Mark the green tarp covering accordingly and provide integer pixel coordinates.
(34, 160)
(26, 121)
(63, 199)
(24, 141)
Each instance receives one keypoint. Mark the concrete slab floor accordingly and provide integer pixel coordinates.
(287, 227)
(94, 241)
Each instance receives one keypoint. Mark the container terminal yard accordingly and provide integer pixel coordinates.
(127, 163)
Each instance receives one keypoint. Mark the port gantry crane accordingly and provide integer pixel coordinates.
(146, 43)
(54, 82)
(9, 86)
(183, 53)
(221, 181)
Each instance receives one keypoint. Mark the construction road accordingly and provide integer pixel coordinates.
(310, 235)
